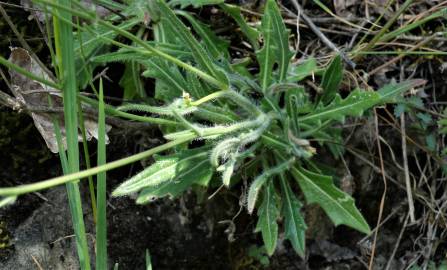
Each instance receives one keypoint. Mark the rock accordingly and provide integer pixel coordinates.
(45, 240)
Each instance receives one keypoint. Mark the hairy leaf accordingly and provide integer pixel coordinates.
(338, 205)
(294, 225)
(254, 190)
(331, 80)
(255, 187)
(177, 169)
(268, 214)
(197, 172)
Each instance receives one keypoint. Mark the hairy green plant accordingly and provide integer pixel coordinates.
(254, 119)
(257, 127)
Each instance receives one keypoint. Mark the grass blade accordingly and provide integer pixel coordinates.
(101, 224)
(64, 41)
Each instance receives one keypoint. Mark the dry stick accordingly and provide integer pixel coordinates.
(24, 43)
(394, 60)
(382, 200)
(406, 170)
(320, 35)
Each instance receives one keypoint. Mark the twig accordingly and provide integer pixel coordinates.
(382, 200)
(320, 35)
(39, 266)
(406, 170)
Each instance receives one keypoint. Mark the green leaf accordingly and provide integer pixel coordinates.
(137, 8)
(251, 33)
(169, 171)
(199, 173)
(280, 34)
(170, 82)
(139, 54)
(217, 47)
(184, 34)
(254, 190)
(354, 105)
(255, 187)
(194, 3)
(131, 82)
(294, 225)
(148, 260)
(391, 92)
(265, 56)
(295, 99)
(276, 45)
(302, 70)
(87, 44)
(338, 205)
(268, 214)
(331, 80)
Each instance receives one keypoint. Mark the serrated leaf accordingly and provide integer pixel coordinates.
(302, 70)
(276, 45)
(176, 169)
(119, 56)
(251, 33)
(331, 80)
(391, 92)
(217, 47)
(266, 56)
(294, 225)
(338, 205)
(268, 214)
(170, 82)
(201, 56)
(354, 105)
(194, 3)
(280, 39)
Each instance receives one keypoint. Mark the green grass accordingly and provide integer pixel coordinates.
(64, 49)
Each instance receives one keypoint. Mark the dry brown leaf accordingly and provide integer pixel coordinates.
(35, 94)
